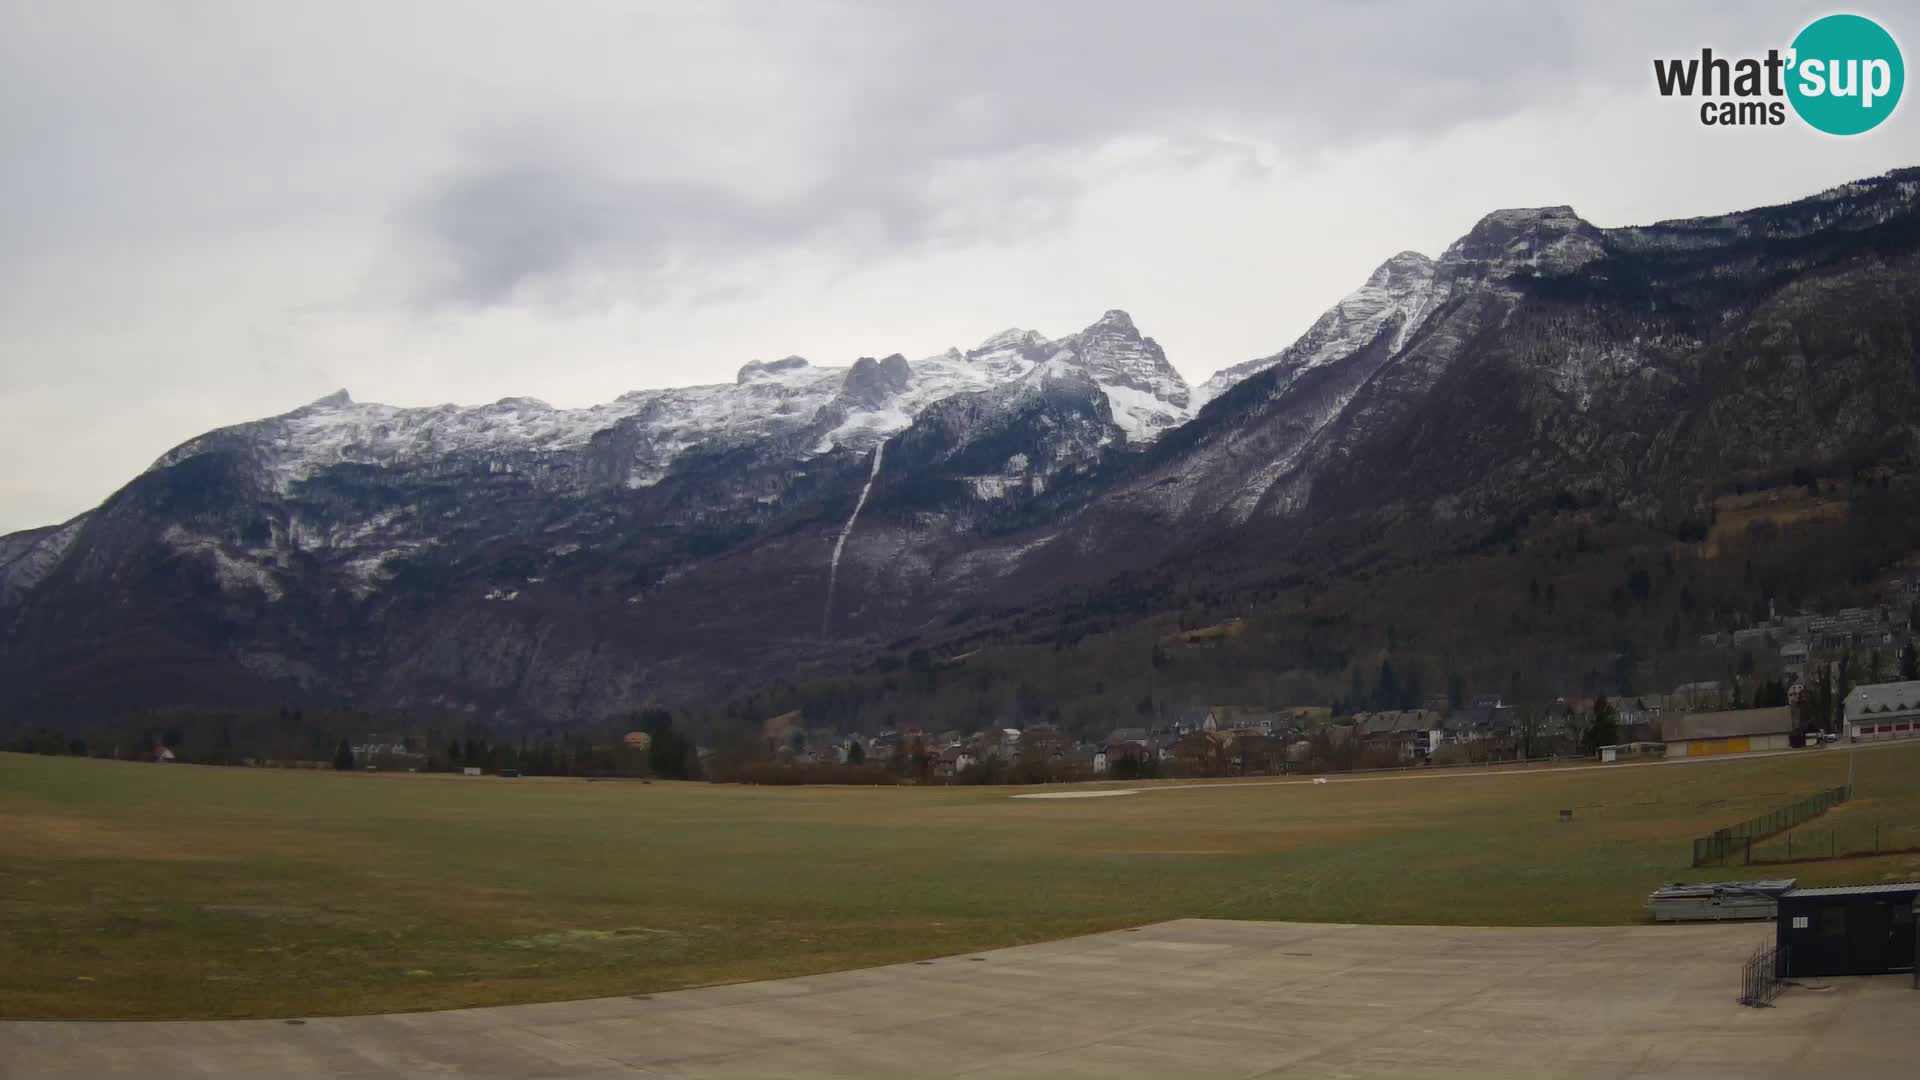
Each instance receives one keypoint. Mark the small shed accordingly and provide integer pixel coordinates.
(1852, 930)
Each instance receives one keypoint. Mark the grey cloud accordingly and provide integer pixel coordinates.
(500, 227)
(954, 124)
(497, 231)
(1011, 98)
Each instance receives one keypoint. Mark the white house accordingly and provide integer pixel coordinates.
(1883, 711)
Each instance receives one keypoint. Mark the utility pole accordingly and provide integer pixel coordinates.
(1852, 747)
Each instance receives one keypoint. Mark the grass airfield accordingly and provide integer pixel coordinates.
(141, 891)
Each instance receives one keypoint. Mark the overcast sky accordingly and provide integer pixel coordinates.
(211, 212)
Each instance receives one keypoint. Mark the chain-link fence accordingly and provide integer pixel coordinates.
(1715, 847)
(1852, 837)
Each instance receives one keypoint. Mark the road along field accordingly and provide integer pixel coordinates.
(134, 890)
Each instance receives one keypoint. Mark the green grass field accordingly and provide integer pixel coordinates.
(134, 890)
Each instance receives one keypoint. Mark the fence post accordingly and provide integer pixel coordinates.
(1749, 854)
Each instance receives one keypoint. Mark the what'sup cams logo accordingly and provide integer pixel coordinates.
(1842, 75)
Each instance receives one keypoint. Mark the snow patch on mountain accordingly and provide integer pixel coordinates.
(853, 408)
(235, 575)
(28, 557)
(1142, 415)
(840, 544)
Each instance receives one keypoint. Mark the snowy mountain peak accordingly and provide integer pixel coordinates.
(769, 403)
(1145, 392)
(763, 369)
(1515, 217)
(1408, 266)
(1399, 293)
(336, 400)
(871, 383)
(1013, 340)
(1505, 242)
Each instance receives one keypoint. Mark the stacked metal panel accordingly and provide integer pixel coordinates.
(1716, 900)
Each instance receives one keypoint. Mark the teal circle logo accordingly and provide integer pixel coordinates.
(1846, 76)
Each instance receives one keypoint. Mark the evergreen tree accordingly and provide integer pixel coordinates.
(671, 754)
(1605, 730)
(343, 756)
(856, 754)
(1386, 693)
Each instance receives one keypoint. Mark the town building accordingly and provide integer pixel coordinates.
(1410, 733)
(1635, 721)
(1633, 751)
(1855, 627)
(1882, 711)
(1696, 697)
(1735, 731)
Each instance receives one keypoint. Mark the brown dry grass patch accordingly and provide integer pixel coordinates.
(51, 836)
(1734, 514)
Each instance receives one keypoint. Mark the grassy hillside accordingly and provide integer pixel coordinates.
(147, 891)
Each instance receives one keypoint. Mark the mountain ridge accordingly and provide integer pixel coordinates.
(524, 563)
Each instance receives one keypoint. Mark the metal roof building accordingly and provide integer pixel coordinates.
(1883, 711)
(1734, 731)
(1853, 930)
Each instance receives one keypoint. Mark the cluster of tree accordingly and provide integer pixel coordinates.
(47, 742)
(296, 737)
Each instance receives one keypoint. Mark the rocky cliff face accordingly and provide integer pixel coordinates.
(1396, 297)
(520, 562)
(1540, 354)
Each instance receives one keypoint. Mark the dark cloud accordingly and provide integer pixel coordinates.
(507, 229)
(500, 227)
